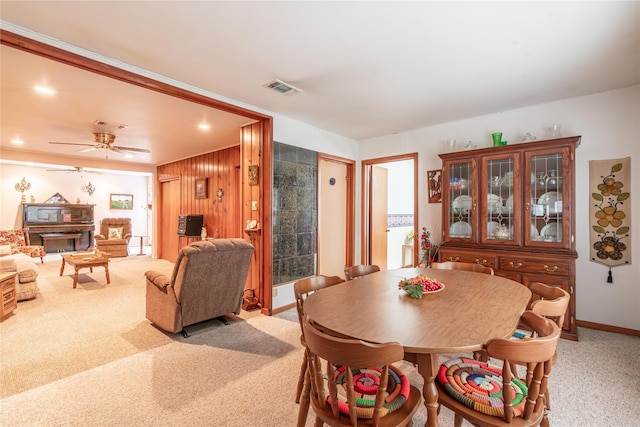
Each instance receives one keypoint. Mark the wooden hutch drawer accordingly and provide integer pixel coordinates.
(458, 256)
(528, 265)
(8, 302)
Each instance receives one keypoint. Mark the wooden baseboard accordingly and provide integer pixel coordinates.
(283, 308)
(608, 328)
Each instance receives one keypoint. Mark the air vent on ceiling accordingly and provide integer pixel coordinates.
(282, 87)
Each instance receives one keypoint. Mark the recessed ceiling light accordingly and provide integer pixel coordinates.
(44, 89)
(204, 126)
(17, 141)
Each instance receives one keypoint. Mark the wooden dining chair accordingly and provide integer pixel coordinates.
(488, 396)
(356, 271)
(355, 382)
(551, 302)
(301, 290)
(467, 266)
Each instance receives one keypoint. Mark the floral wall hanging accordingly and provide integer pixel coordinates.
(610, 212)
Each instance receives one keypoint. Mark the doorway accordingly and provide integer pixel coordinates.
(389, 210)
(335, 215)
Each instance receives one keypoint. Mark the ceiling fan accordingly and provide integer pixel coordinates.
(73, 169)
(104, 140)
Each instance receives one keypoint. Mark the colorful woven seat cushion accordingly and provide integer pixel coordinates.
(366, 383)
(479, 386)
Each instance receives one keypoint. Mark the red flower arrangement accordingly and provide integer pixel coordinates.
(429, 250)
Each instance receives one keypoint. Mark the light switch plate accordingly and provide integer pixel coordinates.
(254, 205)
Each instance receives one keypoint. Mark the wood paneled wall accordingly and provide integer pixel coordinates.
(222, 171)
(253, 206)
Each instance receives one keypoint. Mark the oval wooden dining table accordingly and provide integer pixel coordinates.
(471, 309)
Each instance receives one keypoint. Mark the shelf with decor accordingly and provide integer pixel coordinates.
(512, 208)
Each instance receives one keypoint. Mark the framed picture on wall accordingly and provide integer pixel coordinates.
(201, 188)
(121, 201)
(434, 184)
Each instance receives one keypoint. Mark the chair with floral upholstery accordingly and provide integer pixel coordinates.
(17, 241)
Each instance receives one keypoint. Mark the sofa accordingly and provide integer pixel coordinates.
(207, 282)
(114, 236)
(27, 277)
(17, 241)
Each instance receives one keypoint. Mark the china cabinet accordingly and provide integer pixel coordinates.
(512, 208)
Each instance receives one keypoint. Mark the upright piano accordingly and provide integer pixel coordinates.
(59, 226)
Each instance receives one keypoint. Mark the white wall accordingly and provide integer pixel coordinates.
(609, 123)
(45, 184)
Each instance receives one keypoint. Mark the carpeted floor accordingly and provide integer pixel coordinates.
(89, 356)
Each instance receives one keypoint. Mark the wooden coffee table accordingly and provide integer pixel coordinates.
(86, 260)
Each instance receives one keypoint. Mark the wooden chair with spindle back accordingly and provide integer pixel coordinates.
(520, 401)
(467, 266)
(301, 290)
(348, 368)
(356, 271)
(548, 301)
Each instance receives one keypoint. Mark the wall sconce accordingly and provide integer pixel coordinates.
(220, 193)
(23, 186)
(89, 188)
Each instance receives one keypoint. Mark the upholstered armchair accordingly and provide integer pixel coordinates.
(17, 241)
(114, 236)
(207, 282)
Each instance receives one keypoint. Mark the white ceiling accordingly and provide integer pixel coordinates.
(366, 68)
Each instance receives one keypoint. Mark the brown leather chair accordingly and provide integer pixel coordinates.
(356, 271)
(114, 236)
(467, 266)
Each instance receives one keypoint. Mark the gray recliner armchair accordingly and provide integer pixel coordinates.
(207, 282)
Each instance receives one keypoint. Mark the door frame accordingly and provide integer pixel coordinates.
(365, 245)
(350, 202)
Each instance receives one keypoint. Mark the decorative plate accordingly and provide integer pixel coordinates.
(552, 231)
(494, 203)
(550, 198)
(460, 229)
(462, 202)
(508, 179)
(534, 231)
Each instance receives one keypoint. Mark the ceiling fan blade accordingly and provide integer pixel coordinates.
(131, 149)
(85, 150)
(71, 143)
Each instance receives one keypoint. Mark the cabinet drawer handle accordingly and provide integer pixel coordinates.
(518, 265)
(554, 268)
(483, 262)
(454, 260)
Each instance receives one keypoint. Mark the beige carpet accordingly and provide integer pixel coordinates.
(88, 356)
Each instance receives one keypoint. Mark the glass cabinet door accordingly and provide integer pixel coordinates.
(545, 197)
(500, 200)
(461, 200)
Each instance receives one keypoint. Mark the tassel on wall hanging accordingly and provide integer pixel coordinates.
(610, 212)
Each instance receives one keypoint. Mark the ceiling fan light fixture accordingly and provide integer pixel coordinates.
(283, 87)
(104, 138)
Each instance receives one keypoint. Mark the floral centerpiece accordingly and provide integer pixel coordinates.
(416, 286)
(429, 250)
